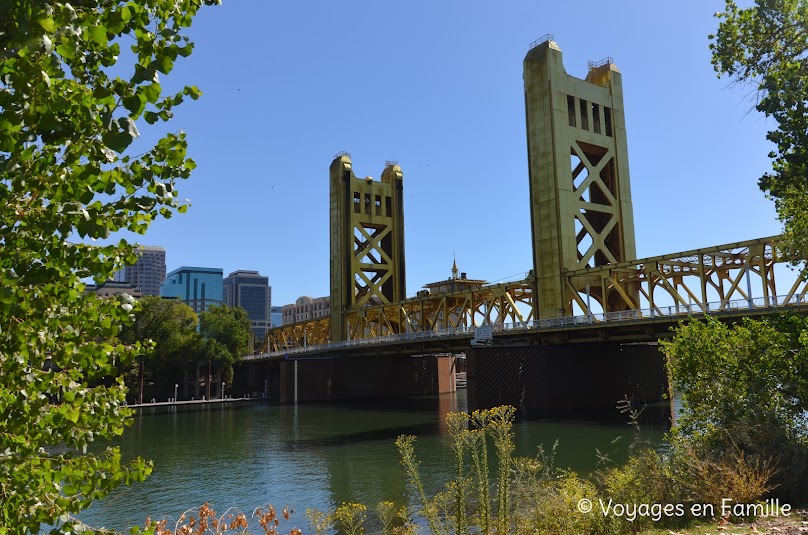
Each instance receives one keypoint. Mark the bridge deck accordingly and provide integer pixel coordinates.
(630, 325)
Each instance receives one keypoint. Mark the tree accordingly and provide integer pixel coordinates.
(227, 334)
(758, 389)
(745, 387)
(766, 46)
(66, 179)
(171, 326)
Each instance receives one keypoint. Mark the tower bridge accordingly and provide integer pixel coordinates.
(586, 285)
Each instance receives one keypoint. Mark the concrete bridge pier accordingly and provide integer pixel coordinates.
(256, 379)
(332, 379)
(548, 380)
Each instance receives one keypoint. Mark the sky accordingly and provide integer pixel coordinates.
(437, 86)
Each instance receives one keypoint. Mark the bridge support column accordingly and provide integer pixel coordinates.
(367, 242)
(256, 379)
(580, 194)
(570, 378)
(345, 378)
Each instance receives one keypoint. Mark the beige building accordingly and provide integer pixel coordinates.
(458, 282)
(112, 288)
(306, 308)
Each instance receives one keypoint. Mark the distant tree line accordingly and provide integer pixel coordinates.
(195, 352)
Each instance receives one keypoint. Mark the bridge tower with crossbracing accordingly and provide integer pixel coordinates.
(580, 193)
(367, 241)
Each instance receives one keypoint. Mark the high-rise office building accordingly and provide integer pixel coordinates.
(198, 287)
(149, 271)
(250, 291)
(277, 316)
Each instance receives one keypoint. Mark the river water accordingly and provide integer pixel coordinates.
(314, 456)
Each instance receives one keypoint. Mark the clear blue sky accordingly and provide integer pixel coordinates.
(438, 87)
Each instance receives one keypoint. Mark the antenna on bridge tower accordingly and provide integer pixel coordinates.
(367, 240)
(580, 194)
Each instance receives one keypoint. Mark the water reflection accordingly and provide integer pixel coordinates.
(312, 455)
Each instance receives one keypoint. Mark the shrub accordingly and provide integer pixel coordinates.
(744, 388)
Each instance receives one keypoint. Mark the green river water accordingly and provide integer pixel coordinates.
(314, 456)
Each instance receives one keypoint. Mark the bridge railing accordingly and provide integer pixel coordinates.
(646, 314)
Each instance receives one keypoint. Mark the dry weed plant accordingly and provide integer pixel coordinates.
(529, 495)
(206, 522)
(734, 474)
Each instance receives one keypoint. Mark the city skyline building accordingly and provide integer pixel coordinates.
(198, 287)
(306, 308)
(148, 273)
(110, 288)
(277, 316)
(251, 291)
(458, 282)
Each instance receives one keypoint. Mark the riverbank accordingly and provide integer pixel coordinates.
(795, 524)
(168, 406)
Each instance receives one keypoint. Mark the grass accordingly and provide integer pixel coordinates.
(795, 524)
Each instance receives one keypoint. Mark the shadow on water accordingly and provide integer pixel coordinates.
(388, 433)
(317, 455)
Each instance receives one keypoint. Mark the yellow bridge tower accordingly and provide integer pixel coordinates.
(367, 241)
(580, 195)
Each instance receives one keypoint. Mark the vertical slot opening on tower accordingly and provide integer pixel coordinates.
(571, 110)
(378, 205)
(596, 118)
(356, 202)
(584, 115)
(607, 119)
(367, 203)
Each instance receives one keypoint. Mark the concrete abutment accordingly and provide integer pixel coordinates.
(546, 380)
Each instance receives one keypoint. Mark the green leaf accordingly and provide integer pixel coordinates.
(117, 141)
(97, 34)
(135, 104)
(165, 64)
(71, 414)
(151, 92)
(66, 50)
(47, 24)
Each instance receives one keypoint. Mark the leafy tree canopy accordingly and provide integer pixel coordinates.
(169, 326)
(65, 123)
(227, 330)
(169, 323)
(766, 46)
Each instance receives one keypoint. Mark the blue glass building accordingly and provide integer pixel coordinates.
(277, 316)
(250, 291)
(198, 287)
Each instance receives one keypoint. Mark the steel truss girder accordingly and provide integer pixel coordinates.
(496, 304)
(700, 281)
(685, 280)
(301, 334)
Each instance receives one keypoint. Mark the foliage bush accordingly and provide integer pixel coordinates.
(744, 388)
(66, 180)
